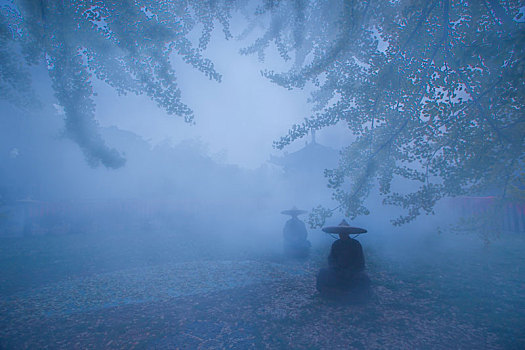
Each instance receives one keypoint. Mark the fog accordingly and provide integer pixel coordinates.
(182, 246)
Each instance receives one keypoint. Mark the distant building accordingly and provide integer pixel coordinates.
(310, 160)
(508, 216)
(304, 171)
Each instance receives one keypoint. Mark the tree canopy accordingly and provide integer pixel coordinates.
(126, 44)
(432, 91)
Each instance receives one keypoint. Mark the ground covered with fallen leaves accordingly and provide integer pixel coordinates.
(77, 292)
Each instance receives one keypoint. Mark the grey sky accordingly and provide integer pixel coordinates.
(238, 118)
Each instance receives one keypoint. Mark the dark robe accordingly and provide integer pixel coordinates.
(346, 269)
(347, 254)
(295, 242)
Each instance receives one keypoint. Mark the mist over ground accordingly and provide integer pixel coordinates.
(182, 246)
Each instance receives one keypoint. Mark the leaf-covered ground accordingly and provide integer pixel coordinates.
(90, 295)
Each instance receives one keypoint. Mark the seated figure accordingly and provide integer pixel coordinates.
(346, 264)
(295, 235)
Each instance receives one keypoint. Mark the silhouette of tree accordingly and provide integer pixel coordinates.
(126, 44)
(432, 90)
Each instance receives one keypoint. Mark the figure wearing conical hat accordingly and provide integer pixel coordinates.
(295, 235)
(346, 263)
(346, 253)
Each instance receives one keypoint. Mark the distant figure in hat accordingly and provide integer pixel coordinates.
(295, 235)
(345, 274)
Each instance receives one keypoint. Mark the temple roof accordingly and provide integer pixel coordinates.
(313, 155)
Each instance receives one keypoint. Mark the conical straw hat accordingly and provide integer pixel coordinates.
(344, 228)
(294, 211)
